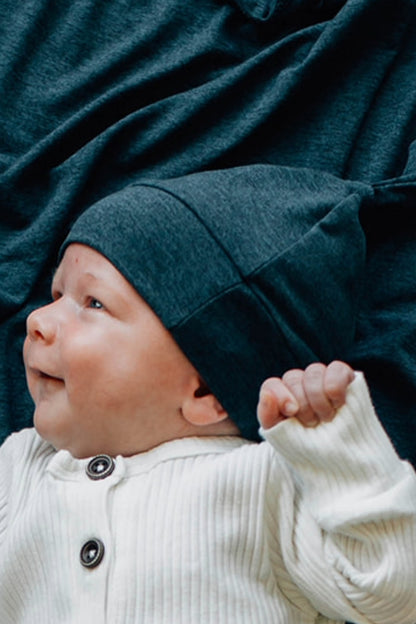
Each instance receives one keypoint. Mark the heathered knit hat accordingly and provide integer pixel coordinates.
(254, 270)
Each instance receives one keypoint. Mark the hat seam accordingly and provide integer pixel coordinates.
(207, 302)
(243, 279)
(197, 216)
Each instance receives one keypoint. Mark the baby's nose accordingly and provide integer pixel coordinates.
(40, 324)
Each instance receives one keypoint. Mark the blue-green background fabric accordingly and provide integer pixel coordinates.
(95, 96)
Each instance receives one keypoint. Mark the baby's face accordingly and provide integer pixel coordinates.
(104, 373)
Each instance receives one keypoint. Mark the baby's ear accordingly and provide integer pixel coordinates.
(201, 407)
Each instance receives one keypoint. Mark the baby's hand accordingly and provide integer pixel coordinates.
(311, 396)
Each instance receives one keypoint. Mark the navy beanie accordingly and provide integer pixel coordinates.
(254, 270)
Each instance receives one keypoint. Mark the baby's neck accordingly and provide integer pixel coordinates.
(147, 442)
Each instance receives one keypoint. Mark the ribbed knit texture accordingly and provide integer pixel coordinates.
(214, 530)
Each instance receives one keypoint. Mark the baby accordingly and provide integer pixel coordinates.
(142, 495)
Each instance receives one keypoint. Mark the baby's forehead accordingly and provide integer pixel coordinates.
(84, 267)
(83, 261)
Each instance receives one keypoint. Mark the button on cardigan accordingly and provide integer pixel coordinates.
(214, 530)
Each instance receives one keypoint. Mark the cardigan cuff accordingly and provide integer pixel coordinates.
(348, 468)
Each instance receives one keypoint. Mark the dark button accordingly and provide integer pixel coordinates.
(100, 467)
(92, 553)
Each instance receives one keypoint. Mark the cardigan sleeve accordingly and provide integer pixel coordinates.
(348, 533)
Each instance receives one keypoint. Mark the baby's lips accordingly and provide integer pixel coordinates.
(47, 376)
(42, 373)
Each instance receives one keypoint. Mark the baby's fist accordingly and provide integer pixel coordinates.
(311, 396)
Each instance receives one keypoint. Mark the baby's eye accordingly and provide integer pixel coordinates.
(95, 304)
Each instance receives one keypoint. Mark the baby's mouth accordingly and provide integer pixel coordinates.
(46, 376)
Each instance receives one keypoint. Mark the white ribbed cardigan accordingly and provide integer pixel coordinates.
(215, 530)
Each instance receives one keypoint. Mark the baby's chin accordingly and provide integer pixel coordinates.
(50, 425)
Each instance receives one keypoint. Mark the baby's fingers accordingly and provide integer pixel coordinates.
(314, 383)
(276, 403)
(338, 377)
(294, 379)
(312, 395)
